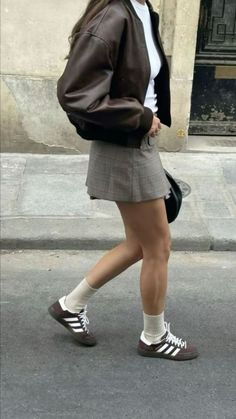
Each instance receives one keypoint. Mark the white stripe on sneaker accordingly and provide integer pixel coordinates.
(75, 324)
(163, 347)
(69, 319)
(175, 352)
(78, 330)
(169, 350)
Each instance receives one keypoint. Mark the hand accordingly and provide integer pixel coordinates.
(156, 125)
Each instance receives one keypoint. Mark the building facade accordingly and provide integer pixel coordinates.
(199, 40)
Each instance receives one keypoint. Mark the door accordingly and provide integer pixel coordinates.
(213, 102)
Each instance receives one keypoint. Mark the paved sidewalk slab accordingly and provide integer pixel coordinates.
(44, 203)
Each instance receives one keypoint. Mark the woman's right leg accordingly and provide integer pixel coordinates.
(148, 222)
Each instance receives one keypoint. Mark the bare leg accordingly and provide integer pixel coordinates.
(109, 266)
(147, 237)
(148, 222)
(114, 262)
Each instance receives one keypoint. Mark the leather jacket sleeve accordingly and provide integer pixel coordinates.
(84, 89)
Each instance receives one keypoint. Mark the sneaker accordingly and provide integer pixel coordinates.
(169, 347)
(76, 323)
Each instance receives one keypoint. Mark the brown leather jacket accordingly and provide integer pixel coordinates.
(104, 84)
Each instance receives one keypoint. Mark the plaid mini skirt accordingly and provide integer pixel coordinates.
(119, 173)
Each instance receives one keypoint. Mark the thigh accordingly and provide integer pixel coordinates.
(147, 222)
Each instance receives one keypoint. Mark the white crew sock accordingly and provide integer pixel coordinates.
(154, 328)
(78, 297)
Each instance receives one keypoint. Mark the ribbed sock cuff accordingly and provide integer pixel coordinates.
(154, 327)
(79, 296)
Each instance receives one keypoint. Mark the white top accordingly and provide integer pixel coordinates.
(142, 11)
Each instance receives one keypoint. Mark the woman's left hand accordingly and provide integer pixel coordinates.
(156, 126)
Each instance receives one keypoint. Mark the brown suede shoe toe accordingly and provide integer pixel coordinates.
(75, 323)
(170, 347)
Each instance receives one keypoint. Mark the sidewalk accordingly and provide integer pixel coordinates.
(45, 204)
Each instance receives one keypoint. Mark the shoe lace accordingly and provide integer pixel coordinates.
(174, 339)
(83, 318)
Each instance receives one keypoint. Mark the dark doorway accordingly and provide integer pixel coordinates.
(213, 107)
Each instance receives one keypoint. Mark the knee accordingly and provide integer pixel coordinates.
(163, 249)
(138, 253)
(159, 251)
(166, 246)
(136, 250)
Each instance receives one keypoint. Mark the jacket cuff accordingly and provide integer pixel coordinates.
(146, 120)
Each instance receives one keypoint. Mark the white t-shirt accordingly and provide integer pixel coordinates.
(142, 11)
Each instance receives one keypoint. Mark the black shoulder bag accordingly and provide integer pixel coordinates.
(173, 200)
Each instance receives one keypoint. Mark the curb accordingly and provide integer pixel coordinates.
(105, 233)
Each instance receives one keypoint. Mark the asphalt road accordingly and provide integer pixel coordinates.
(46, 374)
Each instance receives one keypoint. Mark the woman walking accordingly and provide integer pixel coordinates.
(115, 91)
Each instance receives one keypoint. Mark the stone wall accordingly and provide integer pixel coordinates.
(34, 43)
(178, 27)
